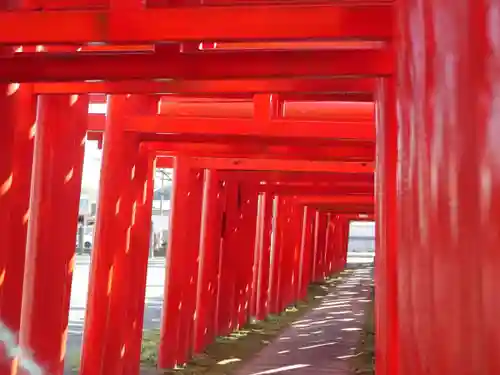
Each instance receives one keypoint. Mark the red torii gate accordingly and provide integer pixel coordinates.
(235, 68)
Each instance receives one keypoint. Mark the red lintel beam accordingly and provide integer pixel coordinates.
(337, 151)
(280, 165)
(217, 23)
(313, 189)
(287, 177)
(337, 200)
(246, 88)
(363, 131)
(50, 67)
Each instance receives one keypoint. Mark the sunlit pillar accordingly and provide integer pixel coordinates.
(140, 241)
(17, 130)
(55, 195)
(306, 251)
(264, 248)
(182, 265)
(276, 248)
(208, 269)
(106, 329)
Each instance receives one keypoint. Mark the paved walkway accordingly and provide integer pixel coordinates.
(324, 340)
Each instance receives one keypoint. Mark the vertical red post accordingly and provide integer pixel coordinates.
(275, 266)
(296, 233)
(140, 241)
(259, 225)
(210, 237)
(109, 302)
(182, 265)
(306, 251)
(319, 246)
(55, 195)
(264, 245)
(227, 301)
(448, 206)
(386, 232)
(287, 253)
(246, 241)
(329, 244)
(17, 116)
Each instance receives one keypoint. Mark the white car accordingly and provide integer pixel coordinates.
(88, 238)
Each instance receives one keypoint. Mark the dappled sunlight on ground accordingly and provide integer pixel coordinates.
(325, 339)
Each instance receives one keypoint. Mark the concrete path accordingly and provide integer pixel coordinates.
(324, 340)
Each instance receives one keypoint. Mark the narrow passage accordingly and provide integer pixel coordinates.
(325, 339)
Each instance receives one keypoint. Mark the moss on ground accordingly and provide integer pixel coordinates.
(364, 361)
(229, 352)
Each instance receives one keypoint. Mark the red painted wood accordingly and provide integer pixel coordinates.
(199, 23)
(182, 266)
(58, 164)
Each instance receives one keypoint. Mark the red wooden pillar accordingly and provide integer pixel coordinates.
(182, 265)
(211, 227)
(55, 195)
(276, 247)
(109, 304)
(319, 246)
(17, 116)
(286, 229)
(329, 244)
(448, 187)
(346, 228)
(245, 241)
(386, 232)
(296, 232)
(265, 213)
(140, 242)
(259, 226)
(229, 264)
(306, 251)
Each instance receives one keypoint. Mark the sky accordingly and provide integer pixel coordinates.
(92, 161)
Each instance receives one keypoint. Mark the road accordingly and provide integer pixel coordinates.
(152, 312)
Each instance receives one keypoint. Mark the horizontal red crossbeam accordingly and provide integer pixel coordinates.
(217, 23)
(364, 131)
(277, 165)
(345, 209)
(37, 67)
(245, 88)
(338, 200)
(306, 110)
(316, 190)
(335, 151)
(288, 177)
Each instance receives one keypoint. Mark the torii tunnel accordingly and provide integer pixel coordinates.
(283, 121)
